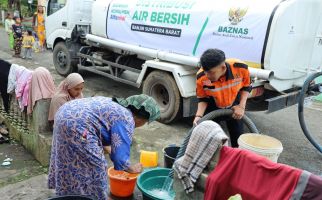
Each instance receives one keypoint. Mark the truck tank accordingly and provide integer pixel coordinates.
(265, 34)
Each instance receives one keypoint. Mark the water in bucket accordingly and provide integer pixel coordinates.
(166, 191)
(167, 185)
(162, 194)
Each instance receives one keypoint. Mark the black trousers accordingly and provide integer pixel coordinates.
(235, 127)
(4, 73)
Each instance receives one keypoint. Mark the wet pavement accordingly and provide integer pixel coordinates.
(22, 167)
(24, 178)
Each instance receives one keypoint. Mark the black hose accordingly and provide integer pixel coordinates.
(305, 89)
(211, 116)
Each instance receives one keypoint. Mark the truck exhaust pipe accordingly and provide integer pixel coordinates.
(168, 56)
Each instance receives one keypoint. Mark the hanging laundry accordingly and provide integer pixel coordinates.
(4, 73)
(204, 141)
(23, 85)
(12, 82)
(42, 87)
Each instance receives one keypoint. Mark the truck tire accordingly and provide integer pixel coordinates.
(63, 62)
(163, 88)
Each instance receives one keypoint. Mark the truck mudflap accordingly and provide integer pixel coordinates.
(282, 101)
(289, 99)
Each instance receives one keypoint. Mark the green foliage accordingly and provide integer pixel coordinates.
(26, 9)
(3, 4)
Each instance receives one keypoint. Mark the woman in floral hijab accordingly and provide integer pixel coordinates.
(83, 129)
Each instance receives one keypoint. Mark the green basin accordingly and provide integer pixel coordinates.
(153, 179)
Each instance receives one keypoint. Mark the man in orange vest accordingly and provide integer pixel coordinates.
(223, 84)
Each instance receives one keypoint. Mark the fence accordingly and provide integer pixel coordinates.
(32, 131)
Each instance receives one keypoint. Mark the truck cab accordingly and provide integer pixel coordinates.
(67, 21)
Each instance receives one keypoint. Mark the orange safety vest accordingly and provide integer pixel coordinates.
(225, 90)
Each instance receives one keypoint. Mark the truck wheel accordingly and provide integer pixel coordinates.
(64, 65)
(163, 88)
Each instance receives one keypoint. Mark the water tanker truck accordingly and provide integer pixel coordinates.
(156, 44)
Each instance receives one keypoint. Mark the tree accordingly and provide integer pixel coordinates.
(24, 8)
(15, 4)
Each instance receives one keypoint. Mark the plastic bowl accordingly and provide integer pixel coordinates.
(153, 179)
(122, 183)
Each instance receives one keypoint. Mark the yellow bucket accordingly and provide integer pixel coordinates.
(264, 145)
(149, 158)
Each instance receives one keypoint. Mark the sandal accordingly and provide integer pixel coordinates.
(3, 139)
(4, 131)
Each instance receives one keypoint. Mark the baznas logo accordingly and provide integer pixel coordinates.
(236, 15)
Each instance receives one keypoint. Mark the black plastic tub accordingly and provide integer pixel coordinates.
(170, 154)
(72, 197)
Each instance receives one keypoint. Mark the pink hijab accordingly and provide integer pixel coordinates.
(41, 87)
(62, 95)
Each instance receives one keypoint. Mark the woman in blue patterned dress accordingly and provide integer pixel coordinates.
(82, 130)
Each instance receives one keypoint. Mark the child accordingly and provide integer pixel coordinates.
(8, 26)
(17, 35)
(36, 44)
(27, 43)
